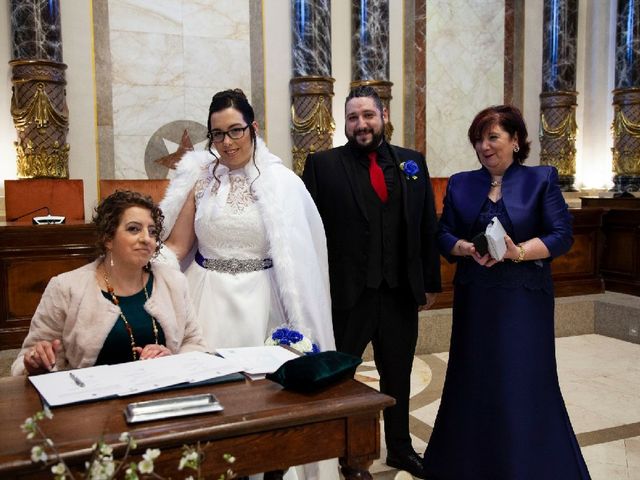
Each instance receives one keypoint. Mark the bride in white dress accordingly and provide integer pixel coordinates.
(250, 239)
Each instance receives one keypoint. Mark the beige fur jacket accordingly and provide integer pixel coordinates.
(74, 310)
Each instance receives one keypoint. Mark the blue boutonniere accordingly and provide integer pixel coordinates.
(410, 169)
(284, 335)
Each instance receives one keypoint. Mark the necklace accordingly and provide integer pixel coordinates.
(116, 302)
(496, 183)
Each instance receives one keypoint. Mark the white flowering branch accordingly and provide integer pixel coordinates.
(103, 466)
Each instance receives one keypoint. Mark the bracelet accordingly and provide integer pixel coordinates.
(520, 255)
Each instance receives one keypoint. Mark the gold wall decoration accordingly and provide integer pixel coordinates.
(312, 124)
(626, 132)
(383, 89)
(558, 130)
(40, 116)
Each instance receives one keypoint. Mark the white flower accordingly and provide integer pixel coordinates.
(189, 459)
(151, 454)
(49, 442)
(124, 437)
(145, 466)
(47, 413)
(106, 450)
(38, 454)
(101, 469)
(190, 477)
(303, 345)
(29, 427)
(58, 469)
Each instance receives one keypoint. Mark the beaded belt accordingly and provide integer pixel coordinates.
(233, 265)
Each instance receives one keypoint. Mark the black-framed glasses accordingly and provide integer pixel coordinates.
(235, 133)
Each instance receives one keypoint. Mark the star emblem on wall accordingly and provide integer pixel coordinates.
(171, 160)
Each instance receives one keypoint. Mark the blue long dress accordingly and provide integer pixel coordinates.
(502, 415)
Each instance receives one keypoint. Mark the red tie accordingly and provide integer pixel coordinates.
(377, 177)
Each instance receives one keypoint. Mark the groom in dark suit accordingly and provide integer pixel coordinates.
(377, 207)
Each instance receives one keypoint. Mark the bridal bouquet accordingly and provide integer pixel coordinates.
(285, 335)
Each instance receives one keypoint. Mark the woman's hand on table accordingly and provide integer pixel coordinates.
(152, 351)
(41, 357)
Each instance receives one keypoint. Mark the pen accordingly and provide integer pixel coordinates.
(76, 380)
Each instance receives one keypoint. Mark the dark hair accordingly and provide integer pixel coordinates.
(108, 214)
(365, 91)
(237, 100)
(510, 119)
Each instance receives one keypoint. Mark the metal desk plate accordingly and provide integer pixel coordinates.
(171, 407)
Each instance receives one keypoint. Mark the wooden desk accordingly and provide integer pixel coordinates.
(265, 427)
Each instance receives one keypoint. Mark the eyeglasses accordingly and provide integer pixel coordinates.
(217, 136)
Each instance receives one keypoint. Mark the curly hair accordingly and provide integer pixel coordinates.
(108, 214)
(510, 119)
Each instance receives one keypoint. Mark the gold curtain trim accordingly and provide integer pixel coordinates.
(623, 124)
(319, 119)
(38, 110)
(567, 127)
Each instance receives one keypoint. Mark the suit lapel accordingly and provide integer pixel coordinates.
(349, 167)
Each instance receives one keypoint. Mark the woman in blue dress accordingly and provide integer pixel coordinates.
(502, 415)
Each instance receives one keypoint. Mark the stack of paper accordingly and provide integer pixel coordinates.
(256, 362)
(93, 383)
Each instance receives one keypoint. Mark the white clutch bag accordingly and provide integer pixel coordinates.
(495, 239)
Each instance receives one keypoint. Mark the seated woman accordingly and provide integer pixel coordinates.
(116, 309)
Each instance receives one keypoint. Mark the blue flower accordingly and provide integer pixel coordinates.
(410, 169)
(293, 338)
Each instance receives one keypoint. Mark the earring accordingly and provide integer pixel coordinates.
(516, 149)
(111, 259)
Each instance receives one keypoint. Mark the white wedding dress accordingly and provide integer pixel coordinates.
(234, 310)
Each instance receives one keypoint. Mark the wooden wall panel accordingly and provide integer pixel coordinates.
(29, 256)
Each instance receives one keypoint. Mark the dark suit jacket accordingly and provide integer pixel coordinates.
(531, 196)
(331, 179)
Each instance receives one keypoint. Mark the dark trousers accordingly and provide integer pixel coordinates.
(389, 319)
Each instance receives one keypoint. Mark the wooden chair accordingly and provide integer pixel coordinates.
(439, 185)
(61, 196)
(154, 188)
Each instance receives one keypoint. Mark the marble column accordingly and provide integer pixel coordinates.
(558, 99)
(38, 101)
(311, 86)
(370, 47)
(626, 98)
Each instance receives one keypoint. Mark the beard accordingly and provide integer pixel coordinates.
(376, 138)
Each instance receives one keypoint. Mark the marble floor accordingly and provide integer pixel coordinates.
(600, 382)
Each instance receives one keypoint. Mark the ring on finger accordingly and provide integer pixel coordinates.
(33, 353)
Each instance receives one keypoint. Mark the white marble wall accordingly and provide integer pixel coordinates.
(168, 59)
(465, 70)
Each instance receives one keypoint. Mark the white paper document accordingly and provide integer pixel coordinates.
(258, 361)
(104, 381)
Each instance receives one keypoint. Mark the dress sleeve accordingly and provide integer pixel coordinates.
(47, 324)
(448, 227)
(556, 219)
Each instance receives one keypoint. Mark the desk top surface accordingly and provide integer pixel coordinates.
(249, 407)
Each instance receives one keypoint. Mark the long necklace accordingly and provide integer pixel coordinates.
(116, 302)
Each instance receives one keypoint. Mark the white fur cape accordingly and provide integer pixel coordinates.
(294, 230)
